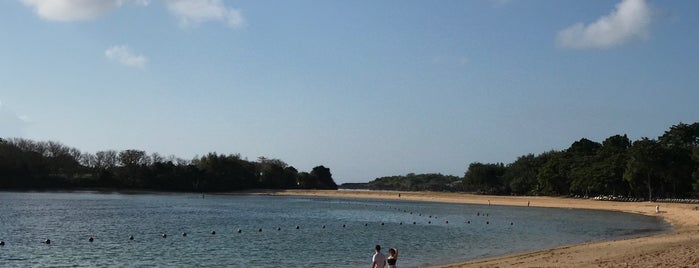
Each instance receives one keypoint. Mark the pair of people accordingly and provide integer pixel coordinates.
(379, 260)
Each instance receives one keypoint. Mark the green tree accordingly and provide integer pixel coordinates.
(485, 178)
(645, 166)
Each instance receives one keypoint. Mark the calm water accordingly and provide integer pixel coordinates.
(68, 219)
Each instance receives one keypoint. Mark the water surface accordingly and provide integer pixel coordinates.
(331, 233)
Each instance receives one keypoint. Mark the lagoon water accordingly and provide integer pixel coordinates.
(68, 219)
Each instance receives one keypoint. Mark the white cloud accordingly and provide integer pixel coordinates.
(122, 54)
(630, 21)
(71, 10)
(191, 12)
(188, 12)
(11, 125)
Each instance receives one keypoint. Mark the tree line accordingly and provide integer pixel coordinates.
(666, 167)
(28, 164)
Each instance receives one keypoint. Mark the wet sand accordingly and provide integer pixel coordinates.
(678, 248)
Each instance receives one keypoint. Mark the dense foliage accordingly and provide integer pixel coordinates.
(26, 164)
(664, 168)
(419, 182)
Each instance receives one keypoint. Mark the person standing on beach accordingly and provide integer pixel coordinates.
(392, 257)
(378, 260)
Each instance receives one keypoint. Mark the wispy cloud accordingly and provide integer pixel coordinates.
(123, 54)
(11, 124)
(188, 12)
(73, 10)
(191, 12)
(629, 21)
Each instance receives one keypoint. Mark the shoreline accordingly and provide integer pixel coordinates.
(677, 248)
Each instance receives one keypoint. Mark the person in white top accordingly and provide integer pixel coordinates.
(379, 260)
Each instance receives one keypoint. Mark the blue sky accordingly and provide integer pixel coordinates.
(366, 88)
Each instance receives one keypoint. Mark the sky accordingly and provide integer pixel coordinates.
(365, 88)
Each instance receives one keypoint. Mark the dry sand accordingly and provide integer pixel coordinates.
(678, 248)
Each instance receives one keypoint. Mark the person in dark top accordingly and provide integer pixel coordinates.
(392, 257)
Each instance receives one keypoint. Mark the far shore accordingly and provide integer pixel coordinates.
(678, 248)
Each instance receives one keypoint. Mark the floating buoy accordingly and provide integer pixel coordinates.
(47, 241)
(297, 227)
(213, 232)
(430, 216)
(411, 213)
(184, 234)
(469, 222)
(447, 222)
(2, 243)
(429, 222)
(512, 223)
(343, 226)
(131, 237)
(279, 228)
(382, 223)
(401, 223)
(260, 230)
(90, 239)
(164, 235)
(413, 222)
(240, 231)
(366, 224)
(487, 222)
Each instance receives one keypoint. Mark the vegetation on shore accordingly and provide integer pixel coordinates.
(27, 164)
(667, 167)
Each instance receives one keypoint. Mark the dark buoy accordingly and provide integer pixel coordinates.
(297, 227)
(184, 234)
(430, 216)
(323, 226)
(240, 231)
(429, 222)
(91, 239)
(512, 223)
(447, 222)
(2, 243)
(279, 228)
(366, 224)
(213, 232)
(487, 222)
(343, 226)
(260, 230)
(47, 241)
(469, 222)
(413, 223)
(401, 223)
(131, 237)
(382, 223)
(164, 235)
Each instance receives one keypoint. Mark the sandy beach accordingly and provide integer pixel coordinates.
(677, 248)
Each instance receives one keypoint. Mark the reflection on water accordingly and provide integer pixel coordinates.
(261, 231)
